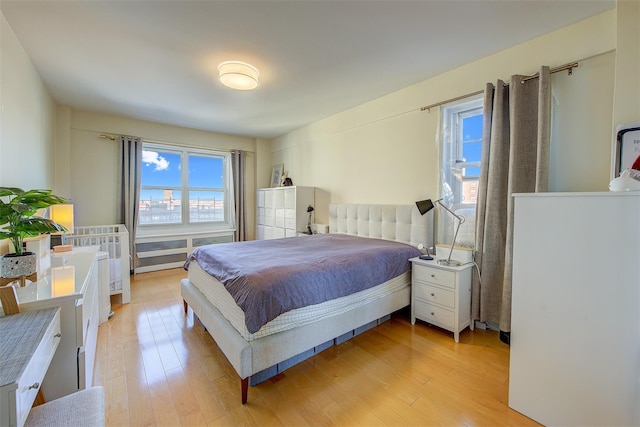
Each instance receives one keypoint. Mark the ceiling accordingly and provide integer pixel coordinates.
(157, 60)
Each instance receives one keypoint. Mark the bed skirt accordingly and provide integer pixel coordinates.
(289, 347)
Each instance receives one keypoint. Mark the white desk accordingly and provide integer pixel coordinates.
(71, 283)
(28, 343)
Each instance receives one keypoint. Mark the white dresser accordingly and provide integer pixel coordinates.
(575, 327)
(282, 211)
(28, 342)
(71, 284)
(441, 295)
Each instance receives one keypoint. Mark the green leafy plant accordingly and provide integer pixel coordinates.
(17, 215)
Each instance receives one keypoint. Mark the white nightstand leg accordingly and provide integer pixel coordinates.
(456, 336)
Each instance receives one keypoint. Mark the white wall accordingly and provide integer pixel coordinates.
(27, 120)
(626, 107)
(89, 164)
(385, 151)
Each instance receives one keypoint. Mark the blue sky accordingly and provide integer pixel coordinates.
(472, 151)
(163, 169)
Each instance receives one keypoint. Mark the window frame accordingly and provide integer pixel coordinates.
(186, 225)
(451, 142)
(451, 121)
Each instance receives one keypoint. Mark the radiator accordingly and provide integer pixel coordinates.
(167, 251)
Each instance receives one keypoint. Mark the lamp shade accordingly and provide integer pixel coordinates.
(424, 206)
(62, 215)
(238, 75)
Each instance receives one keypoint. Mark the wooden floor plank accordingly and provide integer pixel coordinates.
(160, 368)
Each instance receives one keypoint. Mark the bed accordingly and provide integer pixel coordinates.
(260, 350)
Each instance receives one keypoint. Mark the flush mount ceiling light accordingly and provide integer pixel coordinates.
(238, 75)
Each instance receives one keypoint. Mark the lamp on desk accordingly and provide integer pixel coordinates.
(61, 214)
(425, 206)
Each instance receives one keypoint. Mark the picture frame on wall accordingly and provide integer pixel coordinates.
(627, 147)
(276, 175)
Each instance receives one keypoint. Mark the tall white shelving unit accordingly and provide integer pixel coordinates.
(575, 327)
(282, 211)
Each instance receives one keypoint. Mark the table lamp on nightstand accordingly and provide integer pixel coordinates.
(425, 206)
(61, 214)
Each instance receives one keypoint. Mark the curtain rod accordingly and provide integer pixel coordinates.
(568, 67)
(114, 137)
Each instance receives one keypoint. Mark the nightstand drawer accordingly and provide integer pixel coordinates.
(434, 275)
(432, 314)
(434, 294)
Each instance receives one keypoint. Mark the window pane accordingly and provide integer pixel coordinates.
(160, 206)
(206, 206)
(205, 172)
(160, 169)
(472, 151)
(472, 128)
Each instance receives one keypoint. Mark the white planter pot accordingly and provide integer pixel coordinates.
(13, 266)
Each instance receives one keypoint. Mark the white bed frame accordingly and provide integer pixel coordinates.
(391, 222)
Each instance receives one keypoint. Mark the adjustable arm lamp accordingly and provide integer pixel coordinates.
(309, 211)
(425, 206)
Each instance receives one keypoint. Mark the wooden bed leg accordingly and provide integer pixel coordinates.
(245, 389)
(185, 305)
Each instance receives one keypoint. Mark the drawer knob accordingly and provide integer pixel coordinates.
(433, 275)
(58, 335)
(35, 385)
(432, 313)
(432, 294)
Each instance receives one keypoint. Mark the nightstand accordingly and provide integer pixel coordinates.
(441, 295)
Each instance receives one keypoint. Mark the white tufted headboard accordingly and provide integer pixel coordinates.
(402, 223)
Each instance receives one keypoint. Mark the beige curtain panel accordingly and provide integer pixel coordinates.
(517, 123)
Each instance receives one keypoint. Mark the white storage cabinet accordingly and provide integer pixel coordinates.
(575, 330)
(113, 239)
(282, 211)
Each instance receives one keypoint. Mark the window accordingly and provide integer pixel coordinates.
(460, 152)
(183, 187)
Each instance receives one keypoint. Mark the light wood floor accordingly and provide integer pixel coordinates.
(159, 369)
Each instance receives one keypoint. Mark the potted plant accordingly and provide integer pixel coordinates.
(18, 221)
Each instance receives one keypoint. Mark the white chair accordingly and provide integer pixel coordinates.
(84, 408)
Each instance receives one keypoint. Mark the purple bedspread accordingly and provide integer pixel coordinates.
(269, 277)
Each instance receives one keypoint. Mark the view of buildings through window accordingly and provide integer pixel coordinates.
(182, 186)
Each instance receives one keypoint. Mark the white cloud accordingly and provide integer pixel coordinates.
(152, 158)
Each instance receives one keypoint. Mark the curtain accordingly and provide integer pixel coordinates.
(130, 174)
(238, 166)
(515, 159)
